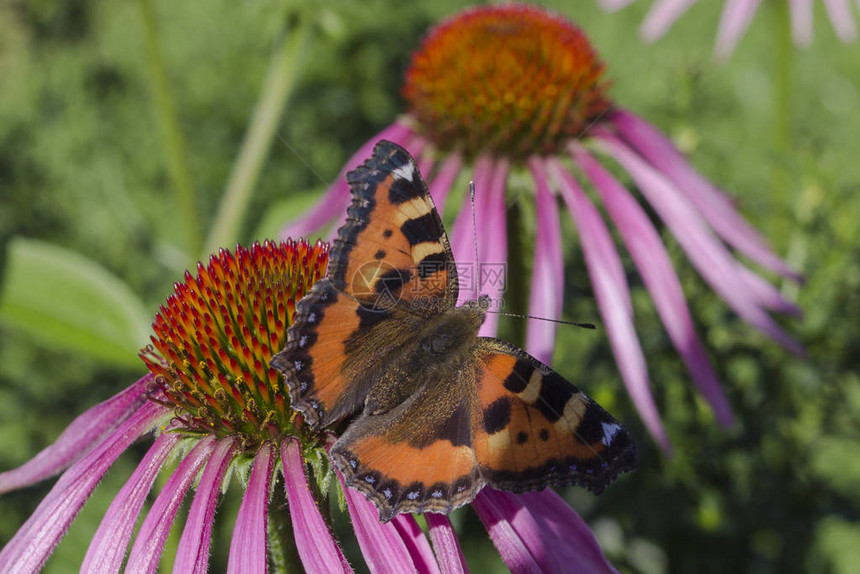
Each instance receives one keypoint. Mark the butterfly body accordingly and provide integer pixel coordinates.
(434, 412)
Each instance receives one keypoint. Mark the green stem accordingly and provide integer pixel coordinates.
(282, 541)
(174, 142)
(782, 105)
(278, 85)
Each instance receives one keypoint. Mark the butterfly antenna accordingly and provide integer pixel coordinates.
(559, 321)
(475, 238)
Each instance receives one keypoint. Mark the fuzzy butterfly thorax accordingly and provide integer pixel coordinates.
(430, 411)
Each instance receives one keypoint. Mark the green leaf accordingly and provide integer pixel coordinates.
(67, 300)
(282, 212)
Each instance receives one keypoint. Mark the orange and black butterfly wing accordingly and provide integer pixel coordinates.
(418, 456)
(532, 428)
(393, 248)
(325, 361)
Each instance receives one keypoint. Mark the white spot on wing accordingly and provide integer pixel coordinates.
(609, 432)
(405, 171)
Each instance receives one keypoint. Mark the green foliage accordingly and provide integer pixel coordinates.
(84, 173)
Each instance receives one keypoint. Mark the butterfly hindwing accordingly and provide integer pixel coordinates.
(327, 377)
(418, 456)
(393, 245)
(532, 428)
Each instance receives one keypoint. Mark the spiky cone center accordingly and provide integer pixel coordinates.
(513, 80)
(214, 337)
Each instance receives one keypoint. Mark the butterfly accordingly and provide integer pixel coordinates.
(433, 411)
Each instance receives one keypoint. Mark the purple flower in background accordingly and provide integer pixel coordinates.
(512, 93)
(736, 18)
(212, 402)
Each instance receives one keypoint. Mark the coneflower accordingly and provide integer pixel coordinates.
(512, 92)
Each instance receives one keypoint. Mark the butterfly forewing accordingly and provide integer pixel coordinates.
(393, 247)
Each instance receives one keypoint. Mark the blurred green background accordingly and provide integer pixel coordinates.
(94, 229)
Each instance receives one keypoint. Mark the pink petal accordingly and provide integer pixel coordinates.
(87, 430)
(564, 531)
(547, 285)
(149, 544)
(711, 203)
(839, 12)
(705, 251)
(445, 543)
(110, 542)
(661, 17)
(336, 199)
(248, 547)
(317, 547)
(381, 544)
(192, 555)
(463, 234)
(539, 532)
(801, 21)
(28, 550)
(440, 185)
(416, 542)
(736, 18)
(766, 294)
(491, 223)
(613, 298)
(656, 269)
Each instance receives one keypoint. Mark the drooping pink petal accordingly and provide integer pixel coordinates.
(839, 12)
(28, 550)
(736, 18)
(539, 532)
(711, 203)
(493, 241)
(192, 555)
(149, 544)
(87, 430)
(445, 543)
(248, 551)
(110, 542)
(613, 297)
(801, 22)
(336, 199)
(463, 234)
(415, 145)
(565, 532)
(656, 269)
(440, 185)
(547, 285)
(416, 542)
(661, 17)
(381, 544)
(496, 513)
(317, 547)
(766, 294)
(705, 251)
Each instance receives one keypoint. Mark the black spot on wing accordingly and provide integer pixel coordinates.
(431, 264)
(544, 435)
(497, 415)
(555, 391)
(522, 437)
(403, 190)
(517, 381)
(368, 317)
(424, 229)
(590, 429)
(387, 233)
(379, 254)
(392, 281)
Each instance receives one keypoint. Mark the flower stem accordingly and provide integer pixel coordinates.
(174, 141)
(782, 107)
(282, 546)
(277, 87)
